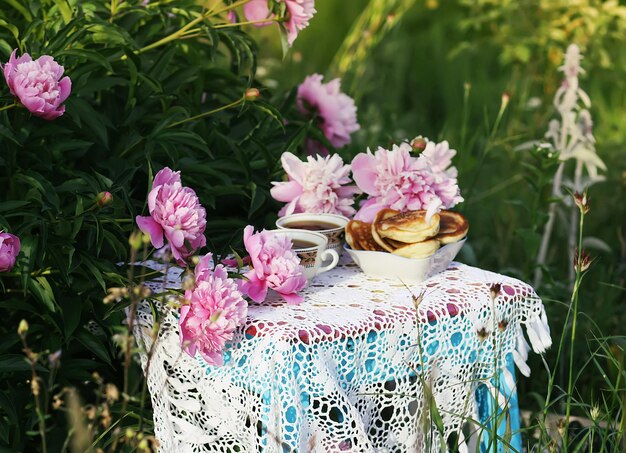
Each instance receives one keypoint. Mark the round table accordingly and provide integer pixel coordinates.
(362, 365)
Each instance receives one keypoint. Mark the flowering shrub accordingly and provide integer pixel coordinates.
(133, 87)
(316, 186)
(274, 265)
(395, 179)
(215, 309)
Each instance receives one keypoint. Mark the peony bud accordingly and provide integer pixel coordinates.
(22, 329)
(104, 198)
(135, 240)
(419, 143)
(252, 94)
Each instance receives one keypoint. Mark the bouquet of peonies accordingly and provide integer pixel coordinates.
(397, 180)
(394, 179)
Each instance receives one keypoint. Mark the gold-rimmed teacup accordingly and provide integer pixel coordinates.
(330, 225)
(311, 248)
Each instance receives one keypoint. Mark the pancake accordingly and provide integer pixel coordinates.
(388, 244)
(452, 227)
(359, 236)
(409, 227)
(418, 250)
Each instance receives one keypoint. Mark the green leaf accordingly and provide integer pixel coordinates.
(78, 221)
(80, 110)
(6, 403)
(65, 10)
(94, 271)
(29, 252)
(12, 28)
(16, 362)
(93, 344)
(42, 290)
(8, 206)
(21, 9)
(87, 55)
(42, 185)
(71, 309)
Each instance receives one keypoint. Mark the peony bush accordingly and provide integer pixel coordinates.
(125, 127)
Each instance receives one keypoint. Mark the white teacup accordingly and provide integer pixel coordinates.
(311, 248)
(330, 225)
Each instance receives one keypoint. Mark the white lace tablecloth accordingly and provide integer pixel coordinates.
(346, 370)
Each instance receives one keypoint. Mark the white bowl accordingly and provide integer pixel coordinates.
(387, 265)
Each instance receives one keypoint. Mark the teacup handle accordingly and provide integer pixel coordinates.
(333, 263)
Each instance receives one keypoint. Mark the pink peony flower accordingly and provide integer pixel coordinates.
(335, 110)
(274, 266)
(395, 179)
(38, 84)
(316, 186)
(176, 212)
(9, 249)
(256, 10)
(299, 12)
(216, 309)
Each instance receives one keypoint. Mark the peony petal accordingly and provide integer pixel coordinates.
(33, 104)
(368, 210)
(256, 10)
(286, 191)
(294, 167)
(364, 172)
(256, 289)
(166, 176)
(176, 238)
(204, 267)
(152, 228)
(292, 298)
(65, 87)
(212, 358)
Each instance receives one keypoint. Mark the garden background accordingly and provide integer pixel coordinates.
(480, 74)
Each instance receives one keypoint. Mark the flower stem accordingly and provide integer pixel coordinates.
(577, 280)
(7, 107)
(179, 33)
(210, 112)
(249, 22)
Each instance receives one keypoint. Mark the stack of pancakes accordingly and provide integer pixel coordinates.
(407, 234)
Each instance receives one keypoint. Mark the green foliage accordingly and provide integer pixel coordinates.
(130, 114)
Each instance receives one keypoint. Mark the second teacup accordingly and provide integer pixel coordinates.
(330, 225)
(311, 248)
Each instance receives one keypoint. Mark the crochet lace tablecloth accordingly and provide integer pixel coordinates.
(355, 367)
